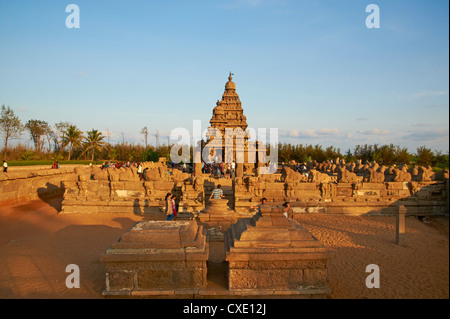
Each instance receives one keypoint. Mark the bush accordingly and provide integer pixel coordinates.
(425, 157)
(150, 156)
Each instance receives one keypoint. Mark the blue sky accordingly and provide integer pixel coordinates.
(310, 68)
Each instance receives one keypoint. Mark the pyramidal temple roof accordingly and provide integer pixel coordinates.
(228, 111)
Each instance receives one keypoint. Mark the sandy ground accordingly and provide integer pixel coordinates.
(37, 243)
(417, 269)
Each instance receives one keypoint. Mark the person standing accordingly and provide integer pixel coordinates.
(169, 206)
(222, 169)
(174, 205)
(233, 169)
(139, 171)
(5, 167)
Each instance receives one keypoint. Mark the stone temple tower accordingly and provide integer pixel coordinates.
(228, 114)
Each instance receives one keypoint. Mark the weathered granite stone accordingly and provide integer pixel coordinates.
(155, 256)
(218, 214)
(270, 252)
(345, 176)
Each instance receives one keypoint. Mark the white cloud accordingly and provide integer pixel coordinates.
(308, 133)
(294, 133)
(324, 132)
(374, 131)
(327, 131)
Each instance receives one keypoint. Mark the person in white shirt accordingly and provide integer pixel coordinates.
(5, 167)
(139, 171)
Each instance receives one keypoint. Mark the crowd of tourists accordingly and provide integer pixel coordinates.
(119, 164)
(219, 170)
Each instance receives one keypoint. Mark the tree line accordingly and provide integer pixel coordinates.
(66, 141)
(63, 136)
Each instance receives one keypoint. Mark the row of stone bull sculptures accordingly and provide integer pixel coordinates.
(370, 173)
(316, 172)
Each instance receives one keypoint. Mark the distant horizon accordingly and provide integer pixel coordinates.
(314, 70)
(164, 141)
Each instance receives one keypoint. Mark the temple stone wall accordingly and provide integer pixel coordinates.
(111, 190)
(24, 185)
(419, 198)
(121, 191)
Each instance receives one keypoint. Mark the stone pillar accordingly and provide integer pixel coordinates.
(259, 160)
(400, 225)
(197, 169)
(239, 170)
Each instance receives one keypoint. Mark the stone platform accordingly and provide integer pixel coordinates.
(157, 258)
(169, 259)
(218, 214)
(271, 254)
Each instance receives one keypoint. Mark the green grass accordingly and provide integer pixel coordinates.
(50, 163)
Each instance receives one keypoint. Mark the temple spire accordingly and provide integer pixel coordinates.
(230, 85)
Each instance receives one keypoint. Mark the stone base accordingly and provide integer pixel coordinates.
(155, 256)
(302, 293)
(218, 214)
(272, 252)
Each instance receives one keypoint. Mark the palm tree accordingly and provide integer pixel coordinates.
(72, 136)
(94, 141)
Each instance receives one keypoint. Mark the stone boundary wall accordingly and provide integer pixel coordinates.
(24, 185)
(420, 198)
(91, 189)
